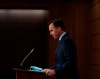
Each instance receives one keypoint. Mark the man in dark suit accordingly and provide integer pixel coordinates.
(66, 66)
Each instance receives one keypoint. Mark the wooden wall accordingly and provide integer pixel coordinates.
(77, 20)
(94, 41)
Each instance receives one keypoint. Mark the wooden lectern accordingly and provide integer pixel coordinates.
(28, 74)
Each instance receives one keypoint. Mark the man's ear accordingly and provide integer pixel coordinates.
(59, 28)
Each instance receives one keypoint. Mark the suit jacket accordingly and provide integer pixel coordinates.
(66, 65)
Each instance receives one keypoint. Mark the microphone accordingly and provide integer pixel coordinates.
(21, 64)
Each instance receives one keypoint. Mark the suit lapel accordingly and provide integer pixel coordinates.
(58, 46)
(59, 42)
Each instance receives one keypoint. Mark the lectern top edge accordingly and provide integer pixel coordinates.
(26, 70)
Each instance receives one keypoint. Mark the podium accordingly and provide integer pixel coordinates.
(29, 74)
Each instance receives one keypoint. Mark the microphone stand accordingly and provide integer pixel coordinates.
(21, 64)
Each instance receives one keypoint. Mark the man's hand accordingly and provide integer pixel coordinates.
(49, 72)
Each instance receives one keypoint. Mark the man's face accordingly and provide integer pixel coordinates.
(55, 32)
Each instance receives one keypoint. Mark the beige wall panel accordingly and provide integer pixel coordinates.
(96, 11)
(96, 1)
(95, 29)
(95, 42)
(95, 57)
(95, 72)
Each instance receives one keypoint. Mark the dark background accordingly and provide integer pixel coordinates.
(19, 34)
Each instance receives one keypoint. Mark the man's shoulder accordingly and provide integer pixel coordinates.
(67, 39)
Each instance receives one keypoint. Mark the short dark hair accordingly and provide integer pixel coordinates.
(58, 23)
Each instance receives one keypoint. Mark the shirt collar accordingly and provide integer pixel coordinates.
(62, 35)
